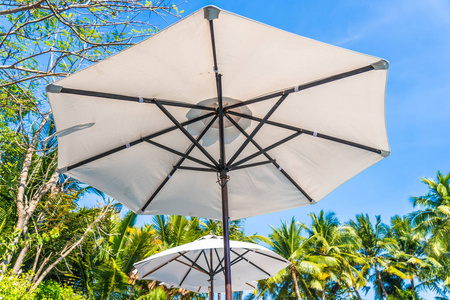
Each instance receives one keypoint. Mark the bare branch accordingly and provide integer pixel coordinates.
(22, 8)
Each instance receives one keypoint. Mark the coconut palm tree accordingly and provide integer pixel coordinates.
(176, 230)
(332, 250)
(434, 215)
(408, 258)
(373, 240)
(433, 219)
(288, 242)
(354, 269)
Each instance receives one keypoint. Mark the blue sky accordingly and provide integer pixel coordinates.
(414, 36)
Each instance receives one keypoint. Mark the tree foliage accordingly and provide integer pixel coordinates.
(46, 38)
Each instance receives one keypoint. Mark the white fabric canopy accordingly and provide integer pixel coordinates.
(187, 266)
(336, 111)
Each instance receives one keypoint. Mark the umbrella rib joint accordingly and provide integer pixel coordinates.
(185, 132)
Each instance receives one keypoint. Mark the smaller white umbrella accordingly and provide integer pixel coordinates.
(199, 266)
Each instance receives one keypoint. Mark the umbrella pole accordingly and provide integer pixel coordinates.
(212, 13)
(224, 190)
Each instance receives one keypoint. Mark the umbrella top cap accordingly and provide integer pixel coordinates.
(211, 12)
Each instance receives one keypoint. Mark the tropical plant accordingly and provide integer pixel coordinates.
(288, 242)
(41, 41)
(176, 230)
(408, 259)
(434, 215)
(433, 219)
(51, 290)
(332, 250)
(373, 241)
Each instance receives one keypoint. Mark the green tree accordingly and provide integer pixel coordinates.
(176, 230)
(48, 38)
(39, 42)
(434, 215)
(288, 242)
(408, 259)
(331, 249)
(373, 240)
(433, 219)
(51, 290)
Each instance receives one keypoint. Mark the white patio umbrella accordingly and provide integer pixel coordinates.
(199, 266)
(278, 120)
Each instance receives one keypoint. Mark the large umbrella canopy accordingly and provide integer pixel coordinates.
(300, 118)
(278, 120)
(192, 266)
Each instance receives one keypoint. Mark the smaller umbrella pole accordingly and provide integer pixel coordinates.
(211, 275)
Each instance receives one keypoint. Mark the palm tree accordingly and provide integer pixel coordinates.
(332, 250)
(112, 273)
(353, 270)
(176, 230)
(373, 240)
(408, 258)
(433, 219)
(288, 242)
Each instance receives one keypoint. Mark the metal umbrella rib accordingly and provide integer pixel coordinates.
(251, 263)
(258, 127)
(186, 133)
(306, 86)
(309, 132)
(131, 98)
(133, 143)
(189, 270)
(264, 150)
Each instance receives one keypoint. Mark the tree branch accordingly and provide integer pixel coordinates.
(65, 252)
(22, 8)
